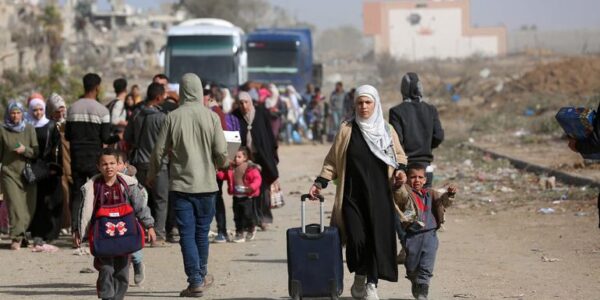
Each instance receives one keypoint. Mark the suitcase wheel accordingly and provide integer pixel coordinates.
(296, 290)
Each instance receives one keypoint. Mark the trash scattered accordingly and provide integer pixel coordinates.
(468, 163)
(546, 210)
(464, 296)
(506, 189)
(549, 259)
(81, 251)
(251, 254)
(519, 296)
(485, 73)
(521, 132)
(86, 271)
(529, 112)
(471, 140)
(581, 214)
(536, 250)
(45, 248)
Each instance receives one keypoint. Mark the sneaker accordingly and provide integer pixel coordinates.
(139, 273)
(171, 238)
(423, 292)
(371, 292)
(414, 288)
(251, 235)
(239, 238)
(220, 238)
(212, 234)
(358, 287)
(191, 293)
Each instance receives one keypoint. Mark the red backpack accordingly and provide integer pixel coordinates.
(115, 230)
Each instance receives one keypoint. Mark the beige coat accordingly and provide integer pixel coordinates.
(334, 168)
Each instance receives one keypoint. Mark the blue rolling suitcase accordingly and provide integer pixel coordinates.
(314, 257)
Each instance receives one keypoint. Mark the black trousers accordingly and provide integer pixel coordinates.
(243, 214)
(80, 177)
(262, 206)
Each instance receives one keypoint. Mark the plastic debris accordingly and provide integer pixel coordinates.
(549, 259)
(581, 214)
(547, 210)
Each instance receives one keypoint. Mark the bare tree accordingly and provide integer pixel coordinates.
(244, 13)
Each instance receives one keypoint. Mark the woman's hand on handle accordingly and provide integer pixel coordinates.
(314, 191)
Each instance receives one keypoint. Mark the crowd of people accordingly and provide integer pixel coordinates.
(166, 157)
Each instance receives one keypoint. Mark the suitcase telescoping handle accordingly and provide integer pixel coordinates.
(303, 209)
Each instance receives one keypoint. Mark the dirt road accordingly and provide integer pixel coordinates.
(486, 252)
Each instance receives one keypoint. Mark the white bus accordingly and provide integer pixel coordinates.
(213, 49)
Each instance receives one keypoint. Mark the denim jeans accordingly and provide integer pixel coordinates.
(194, 213)
(137, 257)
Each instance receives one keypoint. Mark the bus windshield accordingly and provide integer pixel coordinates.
(272, 57)
(210, 57)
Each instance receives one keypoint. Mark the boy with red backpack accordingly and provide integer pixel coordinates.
(110, 214)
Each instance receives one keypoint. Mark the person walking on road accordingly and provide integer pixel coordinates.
(257, 135)
(18, 144)
(142, 133)
(193, 138)
(88, 129)
(367, 161)
(418, 126)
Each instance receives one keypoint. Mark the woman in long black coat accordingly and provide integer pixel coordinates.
(46, 223)
(256, 134)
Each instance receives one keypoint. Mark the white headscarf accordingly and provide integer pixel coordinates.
(227, 102)
(274, 98)
(374, 130)
(31, 119)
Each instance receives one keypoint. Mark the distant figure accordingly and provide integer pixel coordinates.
(87, 129)
(46, 223)
(193, 137)
(18, 144)
(172, 99)
(142, 134)
(417, 123)
(336, 107)
(419, 129)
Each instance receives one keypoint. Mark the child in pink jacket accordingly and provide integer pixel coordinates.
(243, 182)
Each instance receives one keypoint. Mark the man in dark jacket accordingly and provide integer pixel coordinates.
(142, 134)
(417, 123)
(87, 129)
(589, 145)
(419, 129)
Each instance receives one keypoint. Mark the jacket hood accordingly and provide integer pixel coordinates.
(190, 89)
(411, 87)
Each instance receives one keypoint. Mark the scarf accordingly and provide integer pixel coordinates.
(54, 103)
(249, 117)
(375, 130)
(8, 123)
(411, 87)
(33, 104)
(273, 98)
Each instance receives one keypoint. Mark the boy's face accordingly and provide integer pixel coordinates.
(107, 165)
(416, 179)
(240, 158)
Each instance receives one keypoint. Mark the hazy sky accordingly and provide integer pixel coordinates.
(546, 14)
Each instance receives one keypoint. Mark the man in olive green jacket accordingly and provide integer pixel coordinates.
(193, 138)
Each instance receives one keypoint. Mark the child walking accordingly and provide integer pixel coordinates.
(421, 214)
(110, 189)
(243, 182)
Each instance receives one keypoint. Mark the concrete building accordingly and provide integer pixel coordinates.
(421, 29)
